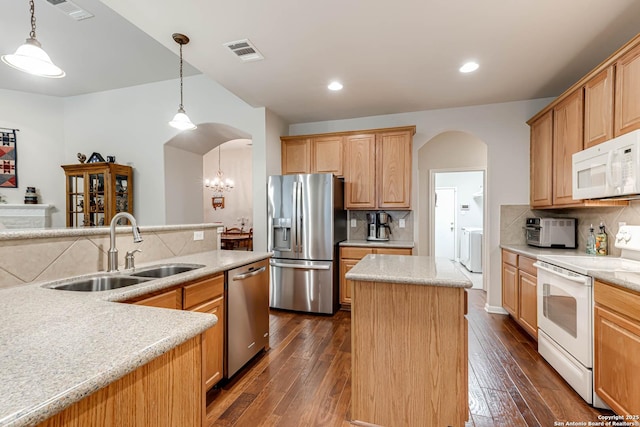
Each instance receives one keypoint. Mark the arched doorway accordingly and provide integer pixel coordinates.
(184, 170)
(453, 152)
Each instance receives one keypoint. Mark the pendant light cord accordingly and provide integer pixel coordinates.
(181, 106)
(32, 34)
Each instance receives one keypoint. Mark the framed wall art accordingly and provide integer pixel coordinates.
(8, 159)
(217, 202)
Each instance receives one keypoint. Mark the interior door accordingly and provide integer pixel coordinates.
(445, 223)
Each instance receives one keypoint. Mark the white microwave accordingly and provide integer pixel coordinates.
(609, 169)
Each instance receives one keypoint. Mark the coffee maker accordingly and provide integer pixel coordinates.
(378, 226)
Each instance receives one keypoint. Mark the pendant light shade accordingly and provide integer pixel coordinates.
(31, 58)
(181, 120)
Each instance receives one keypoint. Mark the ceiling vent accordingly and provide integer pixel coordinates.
(244, 50)
(69, 8)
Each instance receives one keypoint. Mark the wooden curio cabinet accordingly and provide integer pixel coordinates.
(96, 192)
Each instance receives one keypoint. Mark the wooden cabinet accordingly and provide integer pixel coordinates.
(350, 256)
(296, 156)
(379, 170)
(162, 393)
(519, 290)
(567, 139)
(598, 108)
(202, 296)
(322, 154)
(207, 296)
(527, 295)
(409, 355)
(170, 299)
(393, 162)
(616, 347)
(376, 164)
(95, 192)
(360, 182)
(542, 161)
(627, 95)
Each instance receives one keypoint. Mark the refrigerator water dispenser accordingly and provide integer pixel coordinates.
(282, 234)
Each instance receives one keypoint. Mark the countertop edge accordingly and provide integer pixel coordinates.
(384, 271)
(400, 244)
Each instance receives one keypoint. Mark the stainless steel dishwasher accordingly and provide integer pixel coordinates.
(247, 314)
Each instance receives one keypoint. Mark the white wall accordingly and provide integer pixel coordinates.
(236, 164)
(40, 148)
(131, 123)
(183, 186)
(501, 126)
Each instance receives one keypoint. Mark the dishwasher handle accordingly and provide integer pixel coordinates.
(249, 274)
(300, 266)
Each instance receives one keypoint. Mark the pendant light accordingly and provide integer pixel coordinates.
(181, 120)
(31, 58)
(219, 184)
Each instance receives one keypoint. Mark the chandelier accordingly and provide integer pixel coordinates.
(219, 184)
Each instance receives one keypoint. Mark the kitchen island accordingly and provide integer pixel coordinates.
(60, 347)
(409, 342)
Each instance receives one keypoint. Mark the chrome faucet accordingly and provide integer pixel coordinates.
(112, 259)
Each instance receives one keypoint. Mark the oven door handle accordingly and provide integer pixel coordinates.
(582, 280)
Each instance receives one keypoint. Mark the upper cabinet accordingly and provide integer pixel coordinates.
(598, 108)
(360, 179)
(393, 161)
(322, 154)
(376, 164)
(567, 139)
(602, 105)
(627, 95)
(541, 191)
(296, 156)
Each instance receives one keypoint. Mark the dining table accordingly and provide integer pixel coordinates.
(236, 240)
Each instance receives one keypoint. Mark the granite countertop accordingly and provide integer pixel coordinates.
(380, 244)
(405, 269)
(624, 279)
(60, 346)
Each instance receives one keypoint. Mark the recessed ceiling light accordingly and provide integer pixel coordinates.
(335, 86)
(469, 67)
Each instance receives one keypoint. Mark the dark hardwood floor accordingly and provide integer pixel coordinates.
(304, 379)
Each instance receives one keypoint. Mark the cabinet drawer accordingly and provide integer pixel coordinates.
(526, 264)
(355, 252)
(393, 251)
(171, 299)
(510, 258)
(200, 292)
(623, 301)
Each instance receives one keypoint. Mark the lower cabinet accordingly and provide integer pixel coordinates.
(170, 299)
(203, 296)
(519, 290)
(207, 296)
(350, 256)
(616, 347)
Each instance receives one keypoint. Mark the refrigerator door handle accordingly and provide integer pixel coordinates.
(300, 267)
(299, 216)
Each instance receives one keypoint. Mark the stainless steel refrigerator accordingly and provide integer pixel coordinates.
(306, 221)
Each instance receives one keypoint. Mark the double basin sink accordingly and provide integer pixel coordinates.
(115, 280)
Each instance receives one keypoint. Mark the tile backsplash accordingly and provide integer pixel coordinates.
(512, 221)
(359, 232)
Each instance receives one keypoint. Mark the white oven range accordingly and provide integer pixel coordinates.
(565, 309)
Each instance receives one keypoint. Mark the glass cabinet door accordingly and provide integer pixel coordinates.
(75, 201)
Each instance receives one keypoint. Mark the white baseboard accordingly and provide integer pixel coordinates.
(495, 309)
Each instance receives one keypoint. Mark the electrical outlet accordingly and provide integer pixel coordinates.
(401, 223)
(353, 223)
(198, 235)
